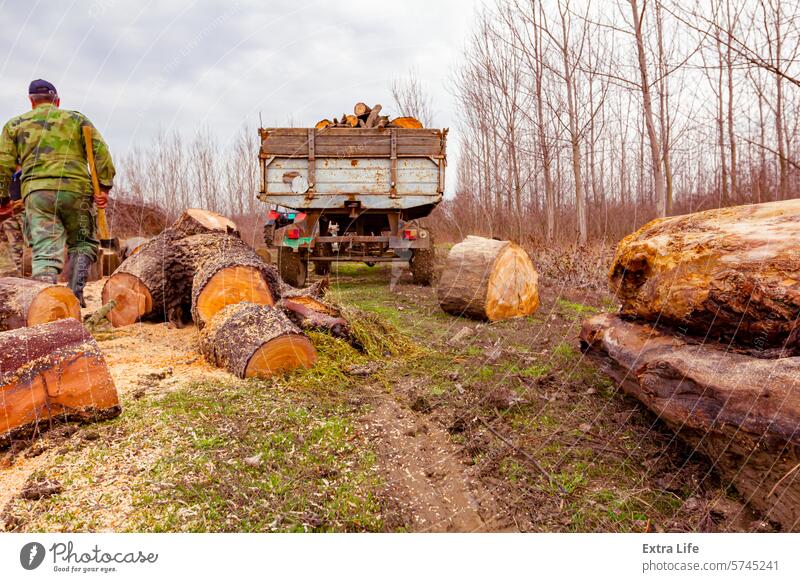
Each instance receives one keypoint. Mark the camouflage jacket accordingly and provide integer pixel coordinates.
(48, 143)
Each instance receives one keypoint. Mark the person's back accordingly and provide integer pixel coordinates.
(51, 150)
(48, 144)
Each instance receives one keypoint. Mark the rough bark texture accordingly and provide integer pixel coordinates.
(488, 279)
(742, 412)
(208, 255)
(731, 272)
(51, 372)
(156, 281)
(24, 302)
(236, 335)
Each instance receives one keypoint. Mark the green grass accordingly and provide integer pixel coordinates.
(575, 311)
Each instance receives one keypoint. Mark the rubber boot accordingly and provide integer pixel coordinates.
(79, 275)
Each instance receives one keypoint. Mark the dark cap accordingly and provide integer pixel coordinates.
(42, 87)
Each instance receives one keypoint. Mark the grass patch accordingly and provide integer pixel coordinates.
(575, 311)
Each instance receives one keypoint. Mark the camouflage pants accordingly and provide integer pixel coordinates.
(12, 243)
(56, 219)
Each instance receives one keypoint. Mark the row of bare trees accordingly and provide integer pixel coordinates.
(582, 120)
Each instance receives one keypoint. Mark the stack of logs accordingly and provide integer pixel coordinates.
(708, 338)
(367, 117)
(250, 322)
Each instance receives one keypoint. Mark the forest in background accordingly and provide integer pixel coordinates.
(579, 122)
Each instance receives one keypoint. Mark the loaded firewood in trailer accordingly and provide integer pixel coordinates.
(372, 119)
(488, 279)
(742, 412)
(405, 123)
(362, 110)
(323, 123)
(25, 302)
(226, 270)
(153, 283)
(732, 272)
(50, 372)
(251, 340)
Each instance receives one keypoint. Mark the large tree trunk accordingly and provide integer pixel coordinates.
(740, 411)
(731, 272)
(156, 281)
(49, 372)
(488, 279)
(226, 271)
(251, 340)
(24, 303)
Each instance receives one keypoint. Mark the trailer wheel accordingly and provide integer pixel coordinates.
(293, 266)
(421, 263)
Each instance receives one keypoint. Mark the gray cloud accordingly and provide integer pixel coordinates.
(139, 67)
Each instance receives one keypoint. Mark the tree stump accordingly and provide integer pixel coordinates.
(24, 303)
(251, 340)
(488, 279)
(742, 412)
(733, 273)
(50, 372)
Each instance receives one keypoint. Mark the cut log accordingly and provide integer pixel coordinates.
(406, 123)
(740, 411)
(142, 287)
(132, 245)
(323, 123)
(732, 272)
(373, 116)
(488, 279)
(351, 120)
(251, 340)
(24, 303)
(51, 372)
(156, 281)
(226, 271)
(361, 110)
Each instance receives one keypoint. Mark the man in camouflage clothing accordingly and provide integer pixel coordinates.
(56, 185)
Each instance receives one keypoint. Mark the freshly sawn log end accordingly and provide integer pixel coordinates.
(53, 371)
(740, 411)
(132, 297)
(251, 340)
(488, 279)
(25, 302)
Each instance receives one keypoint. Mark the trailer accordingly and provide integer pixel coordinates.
(351, 194)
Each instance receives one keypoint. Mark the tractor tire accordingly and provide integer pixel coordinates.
(293, 266)
(422, 263)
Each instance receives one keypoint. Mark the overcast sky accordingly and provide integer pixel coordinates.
(137, 67)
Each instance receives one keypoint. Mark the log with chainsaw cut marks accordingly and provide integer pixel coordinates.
(198, 221)
(53, 371)
(488, 279)
(369, 117)
(226, 271)
(251, 340)
(156, 281)
(740, 411)
(732, 272)
(24, 303)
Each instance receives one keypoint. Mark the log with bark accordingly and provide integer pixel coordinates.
(742, 412)
(251, 340)
(156, 281)
(52, 372)
(733, 273)
(226, 271)
(309, 310)
(25, 302)
(488, 279)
